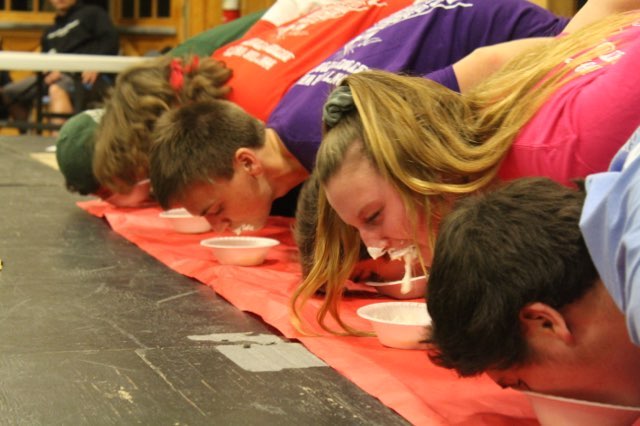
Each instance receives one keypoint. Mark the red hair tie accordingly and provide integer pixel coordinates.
(191, 67)
(176, 77)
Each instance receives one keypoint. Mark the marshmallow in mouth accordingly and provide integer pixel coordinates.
(408, 253)
(244, 227)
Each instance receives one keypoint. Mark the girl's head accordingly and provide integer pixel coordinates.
(384, 172)
(391, 159)
(141, 94)
(399, 150)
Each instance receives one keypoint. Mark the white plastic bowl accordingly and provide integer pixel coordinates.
(182, 221)
(139, 195)
(242, 251)
(558, 411)
(401, 325)
(393, 288)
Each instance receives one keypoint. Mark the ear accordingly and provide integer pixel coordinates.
(541, 321)
(247, 160)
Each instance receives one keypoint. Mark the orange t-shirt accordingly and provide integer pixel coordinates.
(268, 59)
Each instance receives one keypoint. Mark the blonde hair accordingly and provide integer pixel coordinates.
(431, 144)
(141, 94)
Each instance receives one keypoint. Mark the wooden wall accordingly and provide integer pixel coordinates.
(21, 30)
(559, 7)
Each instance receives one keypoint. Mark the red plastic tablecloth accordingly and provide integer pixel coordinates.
(404, 380)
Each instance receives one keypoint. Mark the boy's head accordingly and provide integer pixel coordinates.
(513, 292)
(74, 151)
(205, 157)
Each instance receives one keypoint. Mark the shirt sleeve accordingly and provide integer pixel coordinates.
(107, 39)
(610, 224)
(445, 76)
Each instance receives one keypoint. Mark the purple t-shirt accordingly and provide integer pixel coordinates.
(422, 38)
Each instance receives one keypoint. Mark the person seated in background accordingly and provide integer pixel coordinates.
(399, 150)
(537, 286)
(78, 28)
(188, 170)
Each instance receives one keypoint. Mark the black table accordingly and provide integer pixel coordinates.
(95, 331)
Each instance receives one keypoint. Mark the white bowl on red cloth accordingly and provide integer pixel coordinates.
(182, 221)
(401, 325)
(394, 288)
(559, 411)
(241, 251)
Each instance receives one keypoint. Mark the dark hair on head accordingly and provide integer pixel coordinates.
(495, 254)
(142, 93)
(304, 231)
(196, 143)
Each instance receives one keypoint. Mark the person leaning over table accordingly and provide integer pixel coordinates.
(76, 139)
(77, 28)
(399, 150)
(144, 89)
(75, 144)
(253, 72)
(537, 286)
(233, 169)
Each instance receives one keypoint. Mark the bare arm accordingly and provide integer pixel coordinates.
(595, 10)
(484, 61)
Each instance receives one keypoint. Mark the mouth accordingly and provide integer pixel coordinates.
(401, 250)
(242, 228)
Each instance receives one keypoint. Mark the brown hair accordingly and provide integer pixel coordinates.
(197, 142)
(141, 94)
(494, 255)
(432, 144)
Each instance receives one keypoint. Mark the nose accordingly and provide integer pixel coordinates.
(373, 239)
(218, 224)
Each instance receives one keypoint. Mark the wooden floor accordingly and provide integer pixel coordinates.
(94, 331)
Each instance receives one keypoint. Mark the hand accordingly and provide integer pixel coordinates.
(51, 77)
(89, 77)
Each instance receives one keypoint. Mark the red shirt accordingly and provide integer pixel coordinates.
(267, 60)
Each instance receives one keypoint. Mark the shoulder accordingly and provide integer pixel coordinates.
(89, 10)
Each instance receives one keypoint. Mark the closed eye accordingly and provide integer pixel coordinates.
(371, 220)
(217, 211)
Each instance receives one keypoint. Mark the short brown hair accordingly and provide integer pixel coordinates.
(197, 142)
(141, 94)
(494, 255)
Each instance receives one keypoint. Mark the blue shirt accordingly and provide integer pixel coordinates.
(610, 224)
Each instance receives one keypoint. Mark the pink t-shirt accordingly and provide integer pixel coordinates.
(579, 128)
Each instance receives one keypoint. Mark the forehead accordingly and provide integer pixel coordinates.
(355, 163)
(200, 192)
(356, 184)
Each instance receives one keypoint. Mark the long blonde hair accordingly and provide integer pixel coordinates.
(141, 94)
(431, 144)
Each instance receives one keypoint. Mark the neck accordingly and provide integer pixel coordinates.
(282, 170)
(598, 323)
